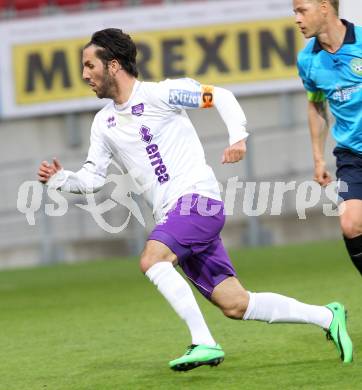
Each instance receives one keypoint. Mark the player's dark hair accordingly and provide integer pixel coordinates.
(114, 44)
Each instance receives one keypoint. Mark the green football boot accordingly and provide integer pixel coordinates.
(198, 355)
(337, 332)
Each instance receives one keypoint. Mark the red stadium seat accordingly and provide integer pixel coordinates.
(3, 5)
(25, 5)
(69, 3)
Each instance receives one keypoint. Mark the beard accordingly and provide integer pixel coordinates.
(105, 89)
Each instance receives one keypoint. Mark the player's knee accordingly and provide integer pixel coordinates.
(146, 263)
(155, 252)
(351, 228)
(235, 310)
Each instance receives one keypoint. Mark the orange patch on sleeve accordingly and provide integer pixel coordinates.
(207, 96)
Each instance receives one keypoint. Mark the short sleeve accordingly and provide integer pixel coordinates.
(313, 93)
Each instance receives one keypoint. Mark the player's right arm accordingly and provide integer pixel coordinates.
(318, 127)
(90, 178)
(317, 117)
(47, 170)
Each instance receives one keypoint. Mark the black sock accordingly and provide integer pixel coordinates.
(354, 247)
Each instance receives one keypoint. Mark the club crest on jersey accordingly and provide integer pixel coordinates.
(356, 66)
(146, 134)
(181, 97)
(111, 122)
(138, 109)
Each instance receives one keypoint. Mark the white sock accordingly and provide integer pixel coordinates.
(271, 308)
(179, 294)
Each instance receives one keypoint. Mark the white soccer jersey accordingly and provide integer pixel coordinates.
(155, 140)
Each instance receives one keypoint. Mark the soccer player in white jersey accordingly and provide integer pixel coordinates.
(146, 127)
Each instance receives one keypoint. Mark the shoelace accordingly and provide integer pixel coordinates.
(329, 335)
(190, 349)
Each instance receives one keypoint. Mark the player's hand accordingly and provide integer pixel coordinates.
(321, 175)
(234, 153)
(46, 170)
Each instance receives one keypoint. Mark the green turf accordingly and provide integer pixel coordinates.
(102, 325)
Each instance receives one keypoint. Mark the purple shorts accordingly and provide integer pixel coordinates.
(192, 232)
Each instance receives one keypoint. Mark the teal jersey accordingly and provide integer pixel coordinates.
(337, 77)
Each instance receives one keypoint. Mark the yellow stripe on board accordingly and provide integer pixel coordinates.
(215, 54)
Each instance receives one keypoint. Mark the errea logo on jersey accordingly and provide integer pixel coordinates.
(356, 66)
(138, 109)
(146, 134)
(185, 98)
(111, 122)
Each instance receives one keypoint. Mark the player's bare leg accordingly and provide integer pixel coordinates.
(155, 252)
(231, 298)
(237, 303)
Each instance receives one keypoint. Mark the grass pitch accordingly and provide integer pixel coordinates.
(102, 325)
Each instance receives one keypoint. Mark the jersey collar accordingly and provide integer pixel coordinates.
(350, 36)
(120, 107)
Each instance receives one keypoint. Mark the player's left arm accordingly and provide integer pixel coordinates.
(234, 152)
(186, 94)
(234, 118)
